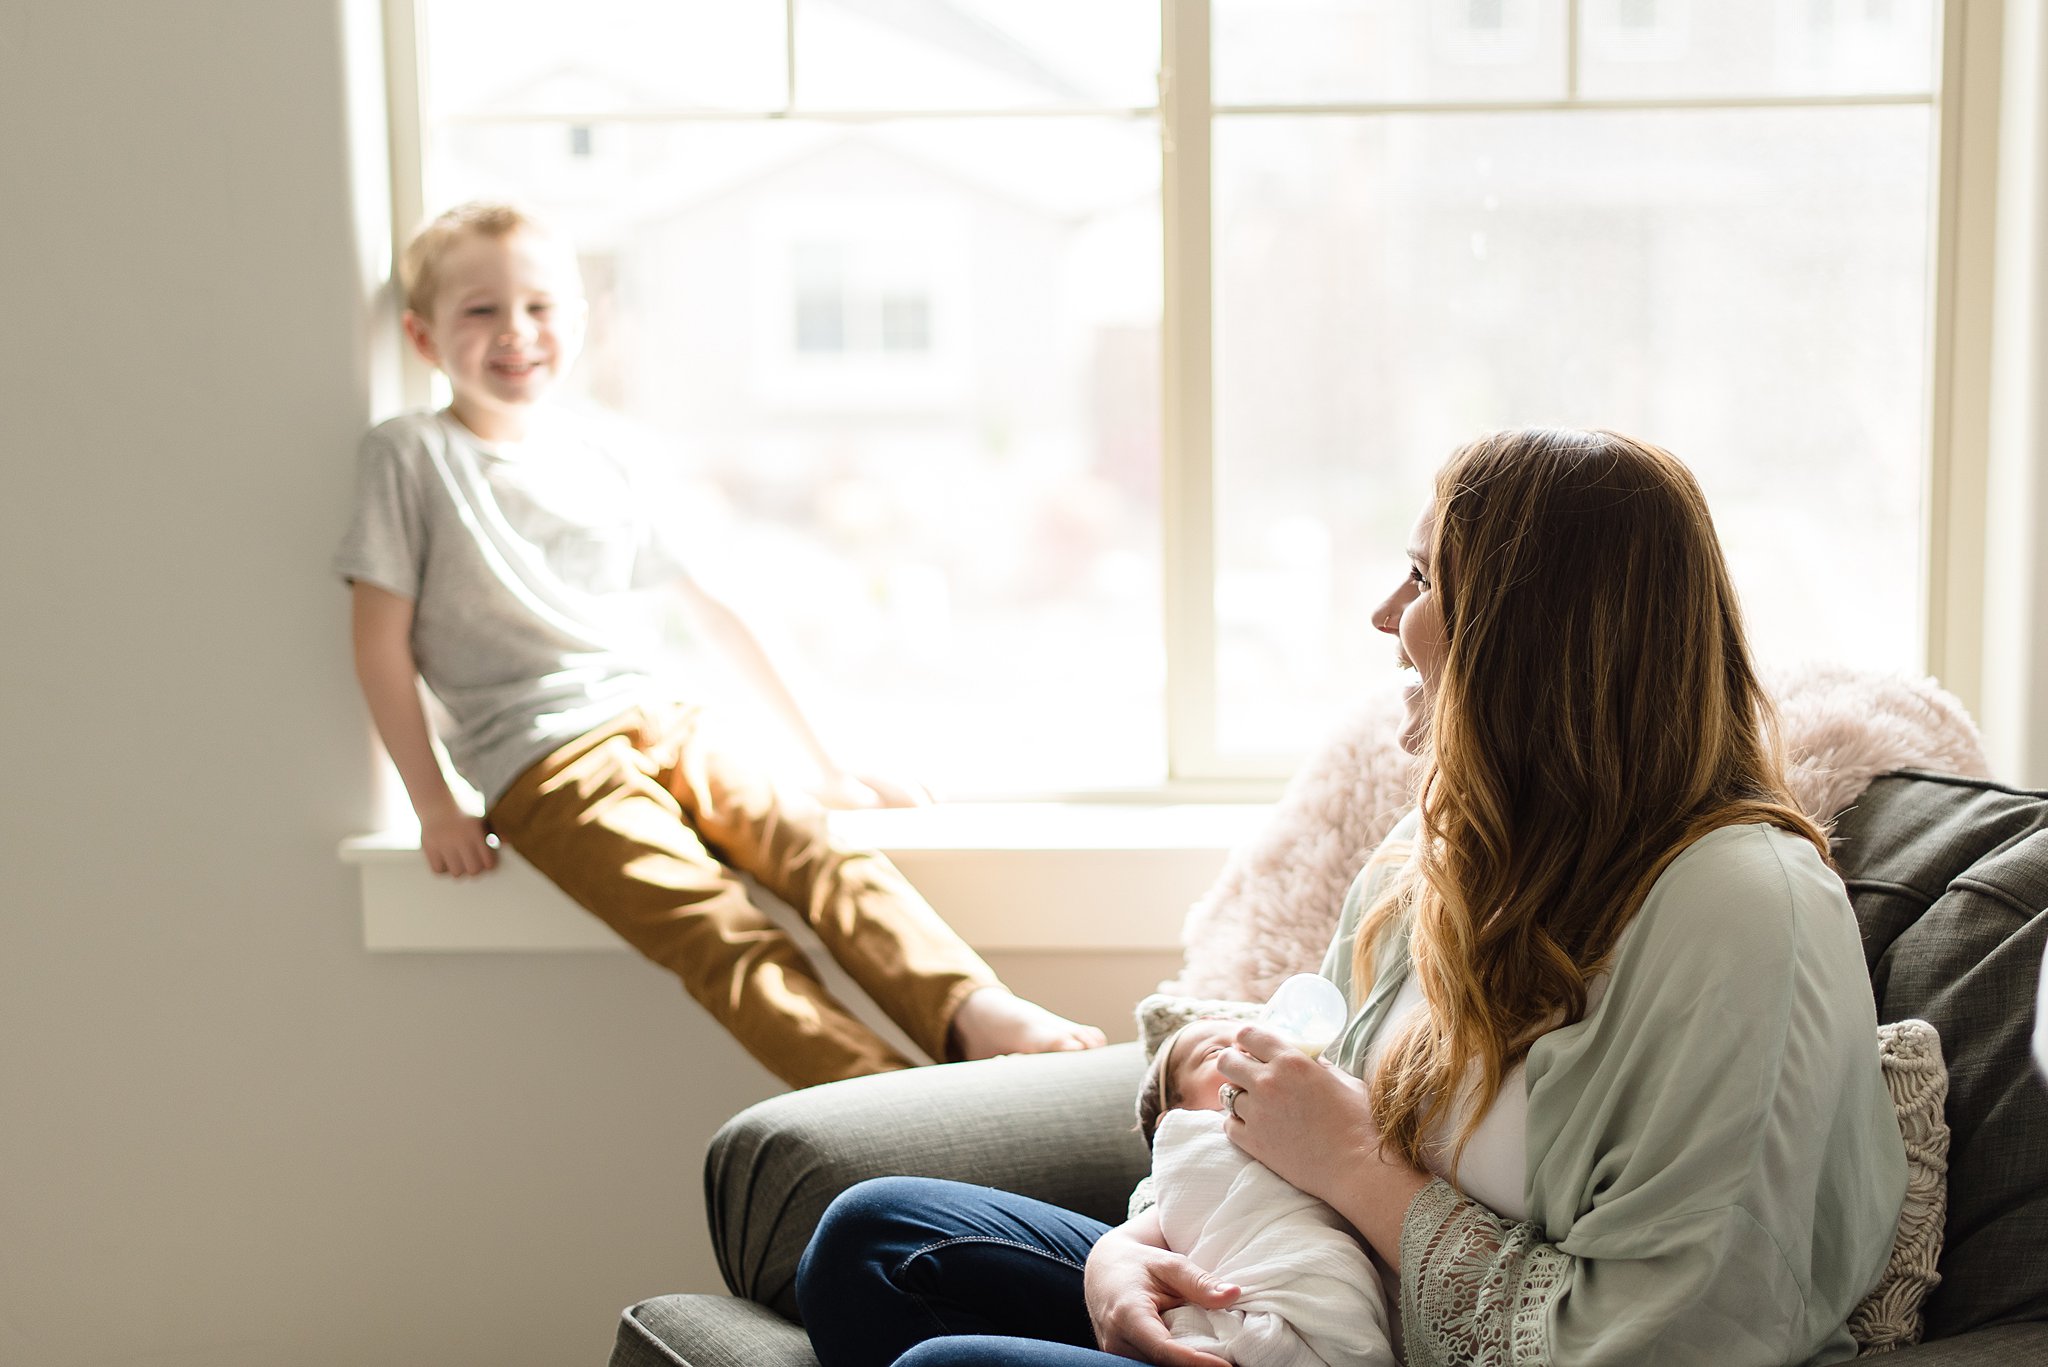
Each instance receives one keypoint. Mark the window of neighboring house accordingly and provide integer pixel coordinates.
(1637, 31)
(908, 290)
(1487, 32)
(820, 287)
(867, 306)
(841, 308)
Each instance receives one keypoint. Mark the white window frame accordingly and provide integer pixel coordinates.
(1966, 108)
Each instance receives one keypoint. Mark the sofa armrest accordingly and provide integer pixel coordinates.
(1059, 1127)
(707, 1331)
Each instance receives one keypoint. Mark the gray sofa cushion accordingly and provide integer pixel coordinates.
(1950, 881)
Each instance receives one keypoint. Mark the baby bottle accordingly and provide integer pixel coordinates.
(1307, 1012)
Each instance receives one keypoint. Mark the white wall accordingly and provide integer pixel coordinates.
(227, 1134)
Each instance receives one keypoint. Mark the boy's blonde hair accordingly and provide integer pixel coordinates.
(419, 265)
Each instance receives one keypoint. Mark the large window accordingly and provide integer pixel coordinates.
(1062, 377)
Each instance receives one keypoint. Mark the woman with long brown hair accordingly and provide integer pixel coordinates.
(1609, 1093)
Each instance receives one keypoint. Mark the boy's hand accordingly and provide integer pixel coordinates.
(458, 845)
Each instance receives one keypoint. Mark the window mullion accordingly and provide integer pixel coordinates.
(1571, 50)
(406, 114)
(789, 57)
(1965, 236)
(1187, 424)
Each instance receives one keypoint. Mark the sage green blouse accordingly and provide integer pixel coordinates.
(1714, 1167)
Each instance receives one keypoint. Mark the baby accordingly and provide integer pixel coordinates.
(1310, 1297)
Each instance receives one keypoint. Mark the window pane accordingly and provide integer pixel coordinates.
(1758, 47)
(487, 57)
(977, 54)
(1338, 51)
(1747, 288)
(912, 372)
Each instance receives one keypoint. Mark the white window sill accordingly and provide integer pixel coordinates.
(1008, 876)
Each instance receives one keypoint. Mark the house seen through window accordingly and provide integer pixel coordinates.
(908, 291)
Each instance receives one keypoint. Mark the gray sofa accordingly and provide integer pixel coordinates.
(1950, 881)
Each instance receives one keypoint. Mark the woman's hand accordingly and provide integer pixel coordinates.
(1132, 1282)
(1312, 1124)
(1308, 1122)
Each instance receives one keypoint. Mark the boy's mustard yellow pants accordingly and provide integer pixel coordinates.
(643, 823)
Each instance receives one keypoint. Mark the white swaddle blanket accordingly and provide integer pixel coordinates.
(1310, 1297)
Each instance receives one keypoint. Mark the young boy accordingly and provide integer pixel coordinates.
(1308, 1296)
(493, 546)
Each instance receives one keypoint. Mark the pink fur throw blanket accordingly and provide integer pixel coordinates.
(1274, 907)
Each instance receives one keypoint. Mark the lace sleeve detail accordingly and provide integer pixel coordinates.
(1476, 1290)
(1143, 1197)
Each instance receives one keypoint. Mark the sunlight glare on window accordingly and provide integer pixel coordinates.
(1726, 48)
(1325, 51)
(897, 306)
(977, 54)
(1388, 288)
(516, 57)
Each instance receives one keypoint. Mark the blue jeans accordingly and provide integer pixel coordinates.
(918, 1272)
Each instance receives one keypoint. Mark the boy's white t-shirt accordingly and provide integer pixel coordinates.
(521, 562)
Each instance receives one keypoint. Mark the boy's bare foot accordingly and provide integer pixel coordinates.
(994, 1020)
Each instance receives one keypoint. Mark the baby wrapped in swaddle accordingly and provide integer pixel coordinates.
(1309, 1295)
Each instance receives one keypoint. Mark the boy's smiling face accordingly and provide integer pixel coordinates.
(506, 324)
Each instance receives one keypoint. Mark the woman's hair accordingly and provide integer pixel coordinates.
(1596, 712)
